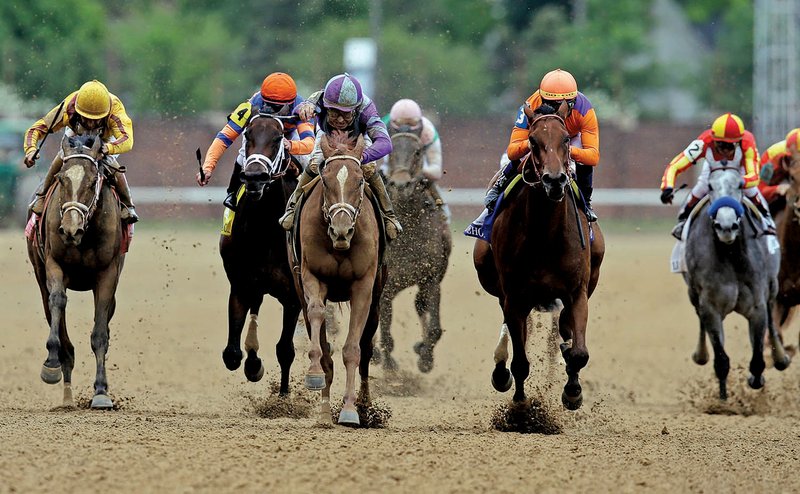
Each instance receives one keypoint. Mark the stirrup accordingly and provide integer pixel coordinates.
(591, 216)
(229, 201)
(677, 230)
(287, 220)
(128, 215)
(37, 205)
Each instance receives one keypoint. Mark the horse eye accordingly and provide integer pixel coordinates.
(566, 140)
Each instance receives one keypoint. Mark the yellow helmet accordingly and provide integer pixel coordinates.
(93, 101)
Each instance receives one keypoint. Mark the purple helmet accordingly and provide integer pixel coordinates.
(343, 92)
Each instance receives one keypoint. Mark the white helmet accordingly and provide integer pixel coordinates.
(405, 111)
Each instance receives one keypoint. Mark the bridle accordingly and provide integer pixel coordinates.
(273, 167)
(537, 165)
(342, 207)
(86, 211)
(417, 140)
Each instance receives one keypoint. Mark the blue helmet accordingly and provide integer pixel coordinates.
(343, 92)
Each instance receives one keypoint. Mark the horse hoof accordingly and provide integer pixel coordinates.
(377, 356)
(102, 402)
(349, 417)
(571, 403)
(232, 358)
(700, 359)
(502, 380)
(755, 383)
(315, 382)
(783, 364)
(51, 375)
(253, 369)
(389, 363)
(425, 362)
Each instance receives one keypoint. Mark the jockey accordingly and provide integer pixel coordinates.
(726, 141)
(406, 116)
(774, 177)
(90, 108)
(342, 106)
(556, 86)
(278, 96)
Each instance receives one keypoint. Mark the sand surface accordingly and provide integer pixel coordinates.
(650, 420)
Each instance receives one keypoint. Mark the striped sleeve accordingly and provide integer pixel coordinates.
(38, 130)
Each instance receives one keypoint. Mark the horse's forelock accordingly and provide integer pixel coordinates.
(544, 109)
(342, 143)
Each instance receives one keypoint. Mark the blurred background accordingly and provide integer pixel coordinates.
(657, 72)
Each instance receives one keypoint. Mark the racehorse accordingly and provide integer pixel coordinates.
(542, 249)
(419, 256)
(340, 247)
(730, 267)
(77, 247)
(789, 234)
(254, 254)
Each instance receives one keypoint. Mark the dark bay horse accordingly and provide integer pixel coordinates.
(77, 247)
(419, 256)
(730, 267)
(254, 254)
(541, 251)
(788, 297)
(340, 246)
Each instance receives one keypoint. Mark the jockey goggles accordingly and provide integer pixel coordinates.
(556, 103)
(273, 108)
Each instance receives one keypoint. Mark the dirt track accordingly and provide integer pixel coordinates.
(187, 424)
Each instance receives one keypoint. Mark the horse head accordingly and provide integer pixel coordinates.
(549, 162)
(725, 186)
(80, 183)
(342, 186)
(265, 159)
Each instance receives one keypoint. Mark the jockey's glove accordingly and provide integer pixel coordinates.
(667, 195)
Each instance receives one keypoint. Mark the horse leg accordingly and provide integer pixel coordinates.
(253, 366)
(712, 322)
(67, 356)
(315, 293)
(758, 321)
(387, 342)
(237, 312)
(501, 377)
(57, 302)
(427, 304)
(780, 357)
(285, 346)
(516, 318)
(367, 347)
(574, 317)
(326, 361)
(360, 304)
(103, 302)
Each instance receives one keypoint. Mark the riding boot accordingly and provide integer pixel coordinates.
(435, 194)
(37, 206)
(287, 220)
(683, 215)
(233, 187)
(583, 176)
(392, 224)
(508, 172)
(763, 208)
(127, 212)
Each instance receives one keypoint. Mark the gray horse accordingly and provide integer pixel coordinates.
(732, 266)
(419, 256)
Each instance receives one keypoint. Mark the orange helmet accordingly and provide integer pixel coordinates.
(278, 88)
(791, 138)
(727, 128)
(557, 85)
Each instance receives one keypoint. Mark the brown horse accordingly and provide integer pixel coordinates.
(77, 247)
(254, 254)
(789, 235)
(420, 255)
(340, 247)
(541, 251)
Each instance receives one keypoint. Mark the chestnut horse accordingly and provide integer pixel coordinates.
(789, 235)
(340, 247)
(77, 247)
(254, 254)
(542, 249)
(419, 256)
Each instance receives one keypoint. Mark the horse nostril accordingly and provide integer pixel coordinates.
(61, 230)
(79, 232)
(351, 230)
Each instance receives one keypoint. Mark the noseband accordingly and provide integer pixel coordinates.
(538, 165)
(280, 163)
(86, 211)
(342, 207)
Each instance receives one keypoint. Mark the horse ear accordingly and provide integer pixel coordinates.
(98, 144)
(360, 145)
(563, 109)
(325, 146)
(528, 111)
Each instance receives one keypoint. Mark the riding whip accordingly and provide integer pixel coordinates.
(200, 164)
(49, 131)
